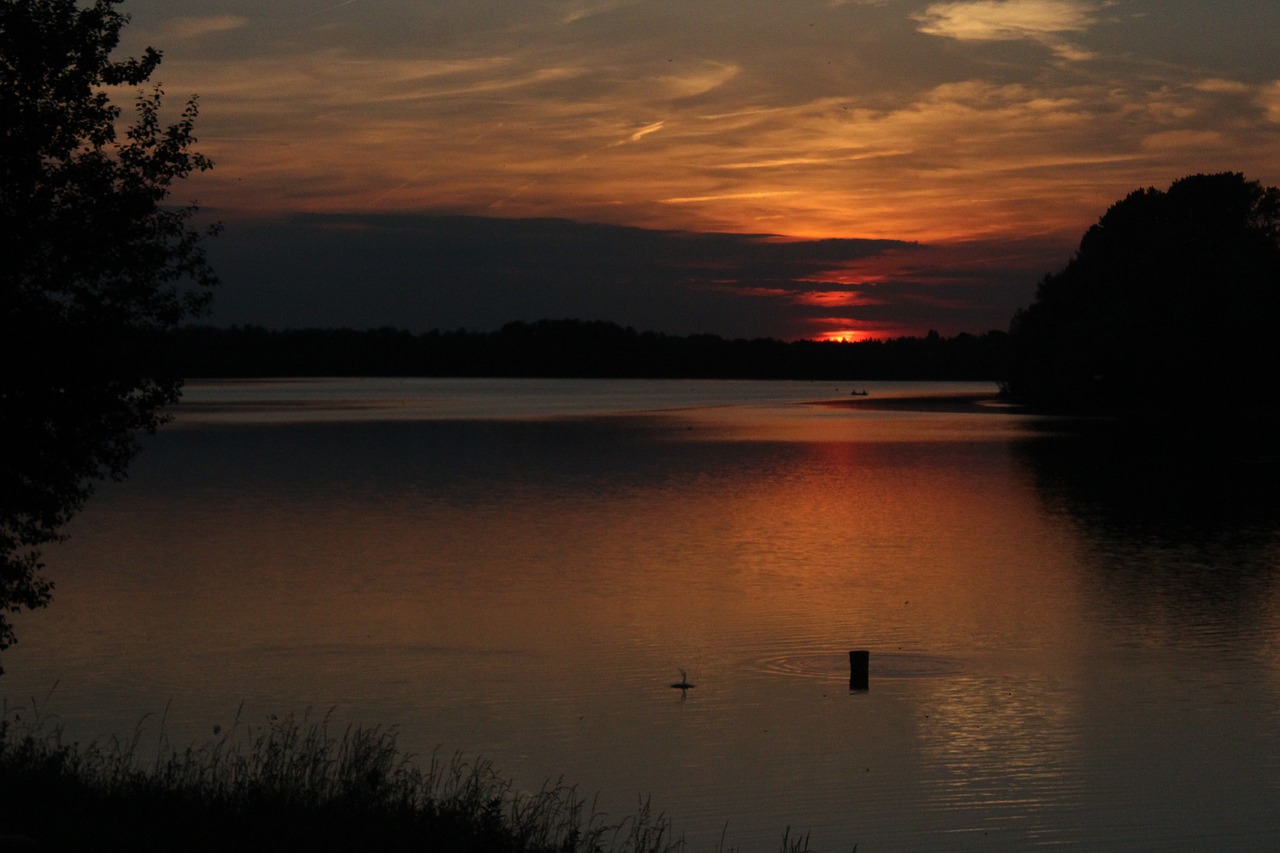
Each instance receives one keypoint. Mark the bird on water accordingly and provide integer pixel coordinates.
(683, 683)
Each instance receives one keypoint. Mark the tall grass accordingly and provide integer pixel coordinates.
(291, 784)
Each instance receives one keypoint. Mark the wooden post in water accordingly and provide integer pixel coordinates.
(859, 670)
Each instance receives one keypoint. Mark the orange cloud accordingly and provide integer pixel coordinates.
(1043, 21)
(835, 298)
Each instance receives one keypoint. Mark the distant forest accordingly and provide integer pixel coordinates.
(576, 348)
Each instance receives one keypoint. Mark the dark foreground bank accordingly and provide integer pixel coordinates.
(291, 785)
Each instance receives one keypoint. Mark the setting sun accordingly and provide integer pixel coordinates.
(849, 336)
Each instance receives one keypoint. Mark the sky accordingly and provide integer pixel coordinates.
(836, 169)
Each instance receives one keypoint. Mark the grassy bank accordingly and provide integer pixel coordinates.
(290, 784)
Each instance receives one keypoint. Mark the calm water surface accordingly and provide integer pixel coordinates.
(1075, 640)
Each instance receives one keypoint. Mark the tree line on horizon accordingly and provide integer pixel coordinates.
(573, 348)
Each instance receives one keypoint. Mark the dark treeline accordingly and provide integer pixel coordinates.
(1171, 291)
(576, 348)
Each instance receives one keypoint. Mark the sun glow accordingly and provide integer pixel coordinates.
(846, 336)
(843, 331)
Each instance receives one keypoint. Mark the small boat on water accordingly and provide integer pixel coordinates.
(857, 393)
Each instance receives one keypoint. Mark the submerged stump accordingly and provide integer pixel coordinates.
(859, 670)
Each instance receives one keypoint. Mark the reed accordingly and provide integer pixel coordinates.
(292, 783)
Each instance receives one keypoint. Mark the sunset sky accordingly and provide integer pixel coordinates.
(790, 168)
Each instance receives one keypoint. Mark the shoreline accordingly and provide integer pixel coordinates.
(961, 402)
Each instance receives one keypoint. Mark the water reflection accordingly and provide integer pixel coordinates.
(1166, 490)
(1006, 752)
(531, 589)
(1181, 535)
(1177, 552)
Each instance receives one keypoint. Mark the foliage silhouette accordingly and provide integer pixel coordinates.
(97, 268)
(1169, 293)
(291, 784)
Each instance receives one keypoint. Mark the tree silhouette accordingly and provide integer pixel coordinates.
(96, 269)
(1170, 293)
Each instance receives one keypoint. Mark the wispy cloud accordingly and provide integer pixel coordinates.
(645, 131)
(578, 11)
(190, 28)
(1218, 85)
(697, 79)
(1185, 140)
(334, 7)
(841, 121)
(724, 197)
(1000, 20)
(1044, 21)
(1269, 98)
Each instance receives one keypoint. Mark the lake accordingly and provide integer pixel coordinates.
(1074, 635)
